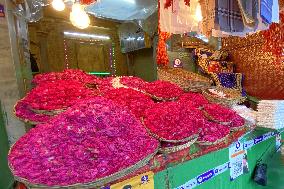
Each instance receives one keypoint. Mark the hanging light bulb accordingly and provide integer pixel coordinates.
(58, 5)
(78, 17)
(198, 13)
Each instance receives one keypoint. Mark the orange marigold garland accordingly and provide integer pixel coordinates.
(275, 40)
(87, 2)
(162, 55)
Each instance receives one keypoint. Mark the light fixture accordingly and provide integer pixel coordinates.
(198, 13)
(58, 5)
(85, 36)
(79, 17)
(130, 1)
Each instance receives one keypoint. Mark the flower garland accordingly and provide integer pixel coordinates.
(275, 40)
(162, 55)
(92, 140)
(87, 2)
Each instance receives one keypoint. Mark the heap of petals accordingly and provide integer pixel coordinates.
(197, 99)
(222, 114)
(135, 101)
(68, 74)
(163, 90)
(90, 141)
(133, 82)
(173, 121)
(105, 84)
(212, 132)
(57, 95)
(23, 111)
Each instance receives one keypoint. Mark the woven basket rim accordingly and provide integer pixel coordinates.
(205, 143)
(99, 182)
(21, 119)
(178, 147)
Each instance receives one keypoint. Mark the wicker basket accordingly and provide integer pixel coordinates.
(234, 96)
(169, 141)
(205, 143)
(188, 81)
(24, 120)
(178, 147)
(49, 112)
(96, 184)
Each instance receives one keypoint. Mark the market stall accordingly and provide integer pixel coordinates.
(182, 120)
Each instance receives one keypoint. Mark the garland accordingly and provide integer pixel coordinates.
(275, 40)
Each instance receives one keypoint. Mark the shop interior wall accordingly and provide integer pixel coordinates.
(47, 44)
(263, 78)
(6, 178)
(142, 64)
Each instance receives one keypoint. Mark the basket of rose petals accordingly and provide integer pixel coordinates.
(163, 90)
(25, 114)
(135, 101)
(93, 143)
(173, 122)
(224, 116)
(52, 98)
(224, 96)
(188, 81)
(68, 74)
(196, 99)
(213, 133)
(174, 147)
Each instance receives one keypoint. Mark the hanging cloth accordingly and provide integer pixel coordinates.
(266, 10)
(228, 16)
(249, 9)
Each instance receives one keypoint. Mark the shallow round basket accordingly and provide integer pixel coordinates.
(188, 81)
(234, 99)
(209, 117)
(95, 184)
(24, 120)
(244, 126)
(178, 147)
(205, 143)
(170, 141)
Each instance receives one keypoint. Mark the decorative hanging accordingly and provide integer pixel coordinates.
(87, 2)
(170, 2)
(162, 55)
(275, 40)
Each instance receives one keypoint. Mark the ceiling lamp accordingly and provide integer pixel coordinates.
(198, 13)
(78, 17)
(58, 5)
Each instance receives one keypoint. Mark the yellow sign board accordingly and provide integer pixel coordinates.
(143, 181)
